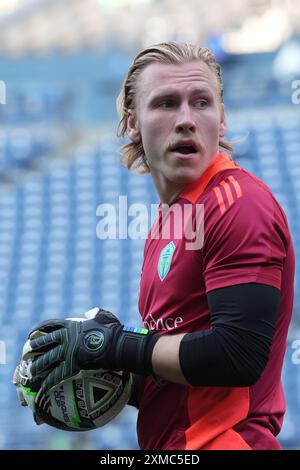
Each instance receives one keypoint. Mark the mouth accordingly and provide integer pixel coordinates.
(185, 148)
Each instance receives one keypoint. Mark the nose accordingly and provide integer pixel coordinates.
(185, 121)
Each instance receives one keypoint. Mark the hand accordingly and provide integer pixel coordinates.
(71, 345)
(100, 342)
(26, 388)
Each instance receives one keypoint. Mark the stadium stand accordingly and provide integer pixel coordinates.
(51, 262)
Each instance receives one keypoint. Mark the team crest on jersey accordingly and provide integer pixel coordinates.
(165, 259)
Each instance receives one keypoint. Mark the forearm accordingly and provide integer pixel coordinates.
(234, 351)
(165, 359)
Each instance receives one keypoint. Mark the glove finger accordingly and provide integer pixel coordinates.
(43, 343)
(27, 352)
(49, 325)
(57, 375)
(104, 317)
(36, 334)
(45, 361)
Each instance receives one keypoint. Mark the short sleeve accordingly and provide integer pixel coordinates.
(247, 243)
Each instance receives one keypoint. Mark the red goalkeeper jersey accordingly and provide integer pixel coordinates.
(246, 239)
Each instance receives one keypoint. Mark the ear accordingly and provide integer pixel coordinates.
(133, 131)
(223, 122)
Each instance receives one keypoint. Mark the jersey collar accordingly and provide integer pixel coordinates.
(222, 161)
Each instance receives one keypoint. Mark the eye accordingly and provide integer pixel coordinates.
(166, 104)
(201, 103)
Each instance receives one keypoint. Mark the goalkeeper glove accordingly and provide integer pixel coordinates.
(27, 389)
(100, 342)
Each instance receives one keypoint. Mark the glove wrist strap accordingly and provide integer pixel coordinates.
(134, 350)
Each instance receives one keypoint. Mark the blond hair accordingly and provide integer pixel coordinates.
(132, 154)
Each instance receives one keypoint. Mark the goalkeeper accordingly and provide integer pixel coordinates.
(208, 368)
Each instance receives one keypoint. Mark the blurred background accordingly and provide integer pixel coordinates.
(61, 67)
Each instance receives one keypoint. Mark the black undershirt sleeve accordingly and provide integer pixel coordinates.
(234, 352)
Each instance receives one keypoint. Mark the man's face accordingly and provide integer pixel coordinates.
(179, 120)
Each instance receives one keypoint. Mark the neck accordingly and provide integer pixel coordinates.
(167, 190)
